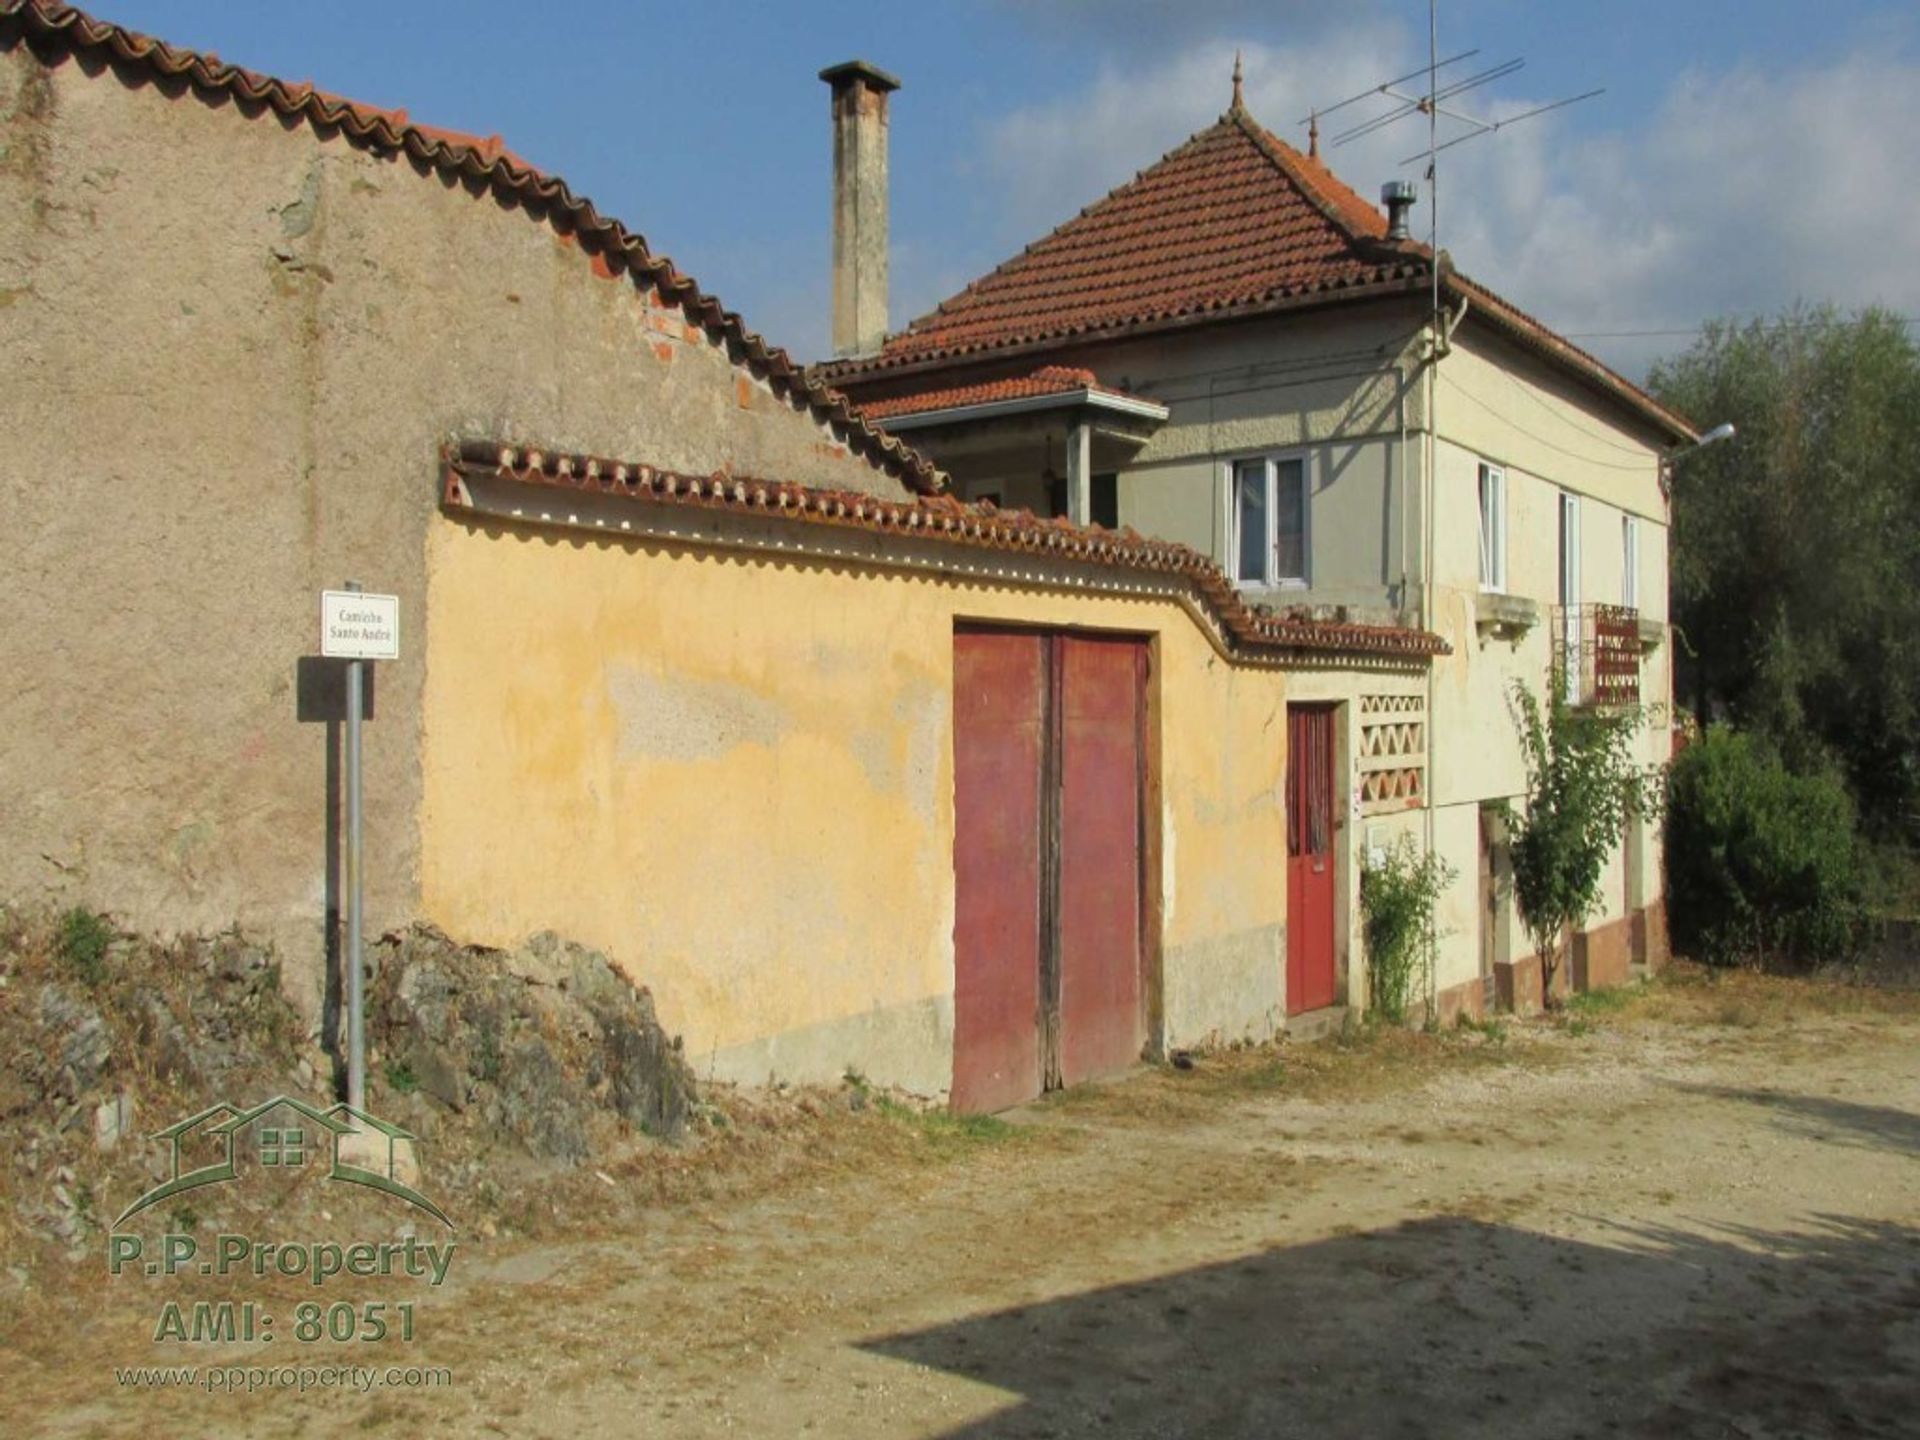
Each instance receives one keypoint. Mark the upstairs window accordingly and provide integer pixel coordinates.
(1269, 520)
(1630, 562)
(1105, 499)
(1569, 550)
(1571, 651)
(1493, 528)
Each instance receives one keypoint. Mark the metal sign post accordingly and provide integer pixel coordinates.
(356, 1037)
(357, 627)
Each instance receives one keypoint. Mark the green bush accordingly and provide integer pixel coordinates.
(1762, 864)
(1397, 900)
(82, 940)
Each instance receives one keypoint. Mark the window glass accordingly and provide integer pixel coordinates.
(1250, 520)
(1290, 530)
(1106, 501)
(1493, 528)
(1630, 562)
(1569, 550)
(1571, 658)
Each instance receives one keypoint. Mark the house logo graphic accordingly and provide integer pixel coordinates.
(287, 1134)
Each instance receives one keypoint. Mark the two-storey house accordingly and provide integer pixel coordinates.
(1236, 351)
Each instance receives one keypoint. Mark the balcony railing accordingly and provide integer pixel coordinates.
(1596, 654)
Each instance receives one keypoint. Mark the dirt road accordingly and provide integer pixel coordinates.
(1698, 1215)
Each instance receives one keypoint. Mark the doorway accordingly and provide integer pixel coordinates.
(1049, 783)
(1311, 863)
(1496, 926)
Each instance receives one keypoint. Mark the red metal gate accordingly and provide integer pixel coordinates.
(1310, 859)
(1048, 778)
(1100, 695)
(999, 738)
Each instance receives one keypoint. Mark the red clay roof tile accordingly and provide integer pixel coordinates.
(1235, 221)
(944, 518)
(1232, 218)
(1047, 380)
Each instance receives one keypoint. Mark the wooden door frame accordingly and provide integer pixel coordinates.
(1497, 946)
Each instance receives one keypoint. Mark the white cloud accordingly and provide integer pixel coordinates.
(1743, 192)
(1047, 161)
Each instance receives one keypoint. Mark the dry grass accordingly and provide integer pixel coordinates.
(1360, 1062)
(1689, 994)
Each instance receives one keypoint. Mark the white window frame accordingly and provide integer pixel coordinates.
(1569, 582)
(1230, 483)
(1492, 528)
(1630, 561)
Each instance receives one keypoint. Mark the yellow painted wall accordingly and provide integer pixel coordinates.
(240, 345)
(735, 774)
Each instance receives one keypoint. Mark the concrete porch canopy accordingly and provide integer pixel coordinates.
(1029, 441)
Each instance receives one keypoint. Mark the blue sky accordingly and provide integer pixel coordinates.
(1746, 154)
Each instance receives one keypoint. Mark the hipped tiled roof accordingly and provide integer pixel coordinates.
(1234, 222)
(1047, 380)
(1231, 219)
(54, 28)
(939, 518)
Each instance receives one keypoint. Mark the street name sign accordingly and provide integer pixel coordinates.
(357, 626)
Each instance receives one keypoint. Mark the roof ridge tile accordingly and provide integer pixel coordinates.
(940, 517)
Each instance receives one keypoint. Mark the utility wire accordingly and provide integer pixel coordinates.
(1645, 467)
(1697, 329)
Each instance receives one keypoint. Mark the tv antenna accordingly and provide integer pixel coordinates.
(1434, 104)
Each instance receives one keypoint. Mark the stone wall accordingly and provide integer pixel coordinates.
(234, 347)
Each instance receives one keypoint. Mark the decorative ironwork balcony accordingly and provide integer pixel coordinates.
(1596, 654)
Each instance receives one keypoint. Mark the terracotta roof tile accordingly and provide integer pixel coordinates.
(450, 152)
(1233, 218)
(942, 518)
(1047, 380)
(1235, 221)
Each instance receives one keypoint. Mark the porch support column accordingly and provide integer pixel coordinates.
(1080, 472)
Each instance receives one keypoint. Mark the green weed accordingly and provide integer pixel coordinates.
(1591, 1003)
(945, 1130)
(81, 943)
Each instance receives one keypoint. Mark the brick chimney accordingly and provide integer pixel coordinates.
(859, 205)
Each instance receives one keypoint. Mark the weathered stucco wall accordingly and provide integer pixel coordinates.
(1337, 387)
(1494, 404)
(734, 772)
(233, 350)
(1347, 389)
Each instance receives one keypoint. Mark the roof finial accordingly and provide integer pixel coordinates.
(1238, 103)
(1313, 135)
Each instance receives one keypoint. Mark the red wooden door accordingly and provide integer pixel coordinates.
(999, 735)
(1100, 1022)
(1310, 867)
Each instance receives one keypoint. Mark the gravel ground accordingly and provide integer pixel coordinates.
(1692, 1214)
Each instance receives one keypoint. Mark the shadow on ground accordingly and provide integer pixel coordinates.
(1456, 1327)
(1818, 1117)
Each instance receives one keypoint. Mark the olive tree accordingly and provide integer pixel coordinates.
(1796, 550)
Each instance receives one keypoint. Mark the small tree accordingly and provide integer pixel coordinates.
(1582, 785)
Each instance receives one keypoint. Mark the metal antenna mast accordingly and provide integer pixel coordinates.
(1434, 104)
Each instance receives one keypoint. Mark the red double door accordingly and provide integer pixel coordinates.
(1048, 778)
(1311, 813)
